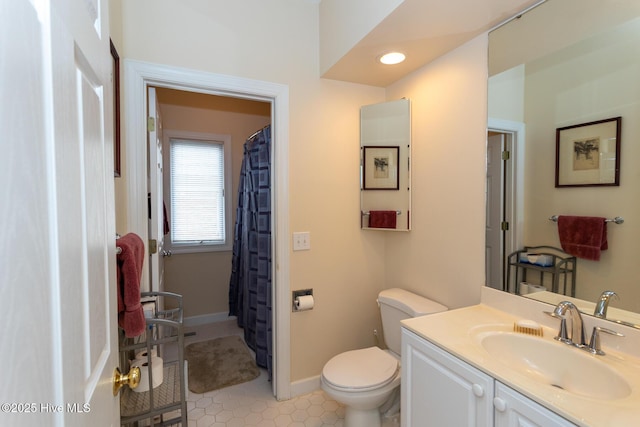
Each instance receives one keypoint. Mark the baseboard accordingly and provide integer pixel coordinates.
(207, 318)
(305, 386)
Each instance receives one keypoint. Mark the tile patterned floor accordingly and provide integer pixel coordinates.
(253, 404)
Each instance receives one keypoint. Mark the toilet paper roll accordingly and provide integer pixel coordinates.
(149, 309)
(536, 288)
(524, 288)
(157, 371)
(143, 354)
(304, 302)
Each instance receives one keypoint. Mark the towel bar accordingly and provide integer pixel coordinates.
(367, 213)
(617, 220)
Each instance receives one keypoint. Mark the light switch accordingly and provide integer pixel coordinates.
(302, 241)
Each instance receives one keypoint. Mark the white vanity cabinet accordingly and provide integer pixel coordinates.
(439, 389)
(512, 409)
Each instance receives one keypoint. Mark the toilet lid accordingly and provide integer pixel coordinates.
(361, 369)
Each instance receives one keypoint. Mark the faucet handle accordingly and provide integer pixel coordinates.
(563, 335)
(594, 344)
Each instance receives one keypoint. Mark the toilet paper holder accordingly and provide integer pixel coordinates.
(299, 293)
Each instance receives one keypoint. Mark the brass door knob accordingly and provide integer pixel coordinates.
(132, 379)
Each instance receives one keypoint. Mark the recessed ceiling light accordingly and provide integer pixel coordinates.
(392, 58)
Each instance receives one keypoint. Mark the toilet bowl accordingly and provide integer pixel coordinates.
(364, 380)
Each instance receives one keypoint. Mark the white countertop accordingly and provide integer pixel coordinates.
(454, 332)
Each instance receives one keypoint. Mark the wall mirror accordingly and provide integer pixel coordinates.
(565, 63)
(385, 178)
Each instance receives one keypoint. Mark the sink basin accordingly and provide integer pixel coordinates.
(557, 364)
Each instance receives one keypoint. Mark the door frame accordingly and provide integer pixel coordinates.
(495, 199)
(514, 180)
(138, 76)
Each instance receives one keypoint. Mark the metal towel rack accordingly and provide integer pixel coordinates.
(617, 220)
(118, 248)
(367, 213)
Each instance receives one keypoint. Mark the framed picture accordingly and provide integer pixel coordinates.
(588, 154)
(380, 169)
(116, 108)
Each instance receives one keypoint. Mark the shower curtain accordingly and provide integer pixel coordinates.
(250, 283)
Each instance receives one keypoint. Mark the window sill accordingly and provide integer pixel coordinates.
(198, 249)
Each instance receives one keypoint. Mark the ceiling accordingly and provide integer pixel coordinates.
(423, 30)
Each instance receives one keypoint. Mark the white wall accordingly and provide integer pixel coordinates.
(120, 185)
(443, 255)
(506, 95)
(277, 41)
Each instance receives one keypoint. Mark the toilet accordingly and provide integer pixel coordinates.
(365, 380)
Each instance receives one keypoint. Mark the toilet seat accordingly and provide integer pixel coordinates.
(360, 370)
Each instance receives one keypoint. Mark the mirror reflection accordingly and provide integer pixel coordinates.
(561, 64)
(385, 181)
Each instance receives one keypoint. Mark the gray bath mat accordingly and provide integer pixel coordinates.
(219, 363)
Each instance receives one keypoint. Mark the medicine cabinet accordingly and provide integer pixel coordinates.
(385, 166)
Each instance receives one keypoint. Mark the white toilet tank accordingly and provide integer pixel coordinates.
(396, 305)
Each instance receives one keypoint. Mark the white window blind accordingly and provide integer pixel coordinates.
(197, 192)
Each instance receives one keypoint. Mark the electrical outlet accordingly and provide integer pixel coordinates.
(302, 241)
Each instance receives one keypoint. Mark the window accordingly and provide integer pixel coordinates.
(198, 211)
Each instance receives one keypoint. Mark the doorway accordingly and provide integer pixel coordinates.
(504, 197)
(201, 274)
(138, 77)
(496, 222)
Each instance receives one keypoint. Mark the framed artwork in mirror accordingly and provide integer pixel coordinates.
(588, 154)
(115, 62)
(380, 168)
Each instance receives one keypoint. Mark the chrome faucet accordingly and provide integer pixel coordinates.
(603, 304)
(577, 336)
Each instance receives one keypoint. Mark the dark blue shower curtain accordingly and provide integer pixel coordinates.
(250, 283)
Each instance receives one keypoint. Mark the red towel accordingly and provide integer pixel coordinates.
(382, 219)
(583, 236)
(129, 273)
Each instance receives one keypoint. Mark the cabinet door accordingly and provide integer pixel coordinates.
(441, 390)
(515, 410)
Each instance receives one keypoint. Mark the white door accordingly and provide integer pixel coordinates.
(57, 239)
(495, 212)
(156, 201)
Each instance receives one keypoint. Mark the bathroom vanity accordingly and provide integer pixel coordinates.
(437, 381)
(467, 367)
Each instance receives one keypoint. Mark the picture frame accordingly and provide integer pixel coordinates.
(116, 108)
(588, 154)
(380, 168)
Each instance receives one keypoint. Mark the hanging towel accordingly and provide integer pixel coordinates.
(583, 236)
(382, 219)
(129, 272)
